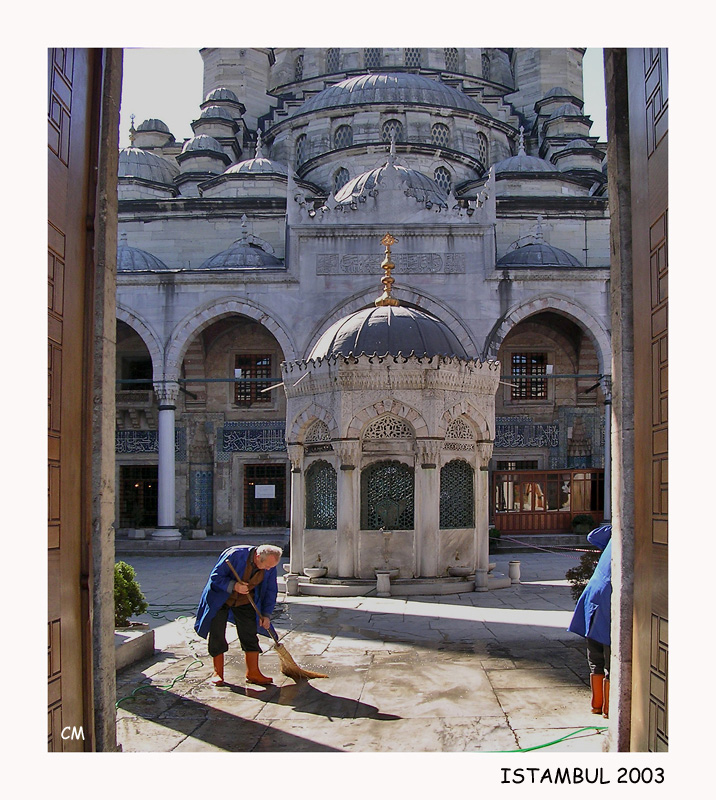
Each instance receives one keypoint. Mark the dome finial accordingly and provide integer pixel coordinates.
(391, 152)
(539, 237)
(521, 142)
(132, 131)
(385, 299)
(259, 149)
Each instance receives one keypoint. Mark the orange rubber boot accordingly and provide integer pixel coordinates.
(597, 684)
(253, 673)
(605, 707)
(218, 677)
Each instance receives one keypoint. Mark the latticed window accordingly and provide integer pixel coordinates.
(248, 369)
(443, 179)
(486, 66)
(321, 496)
(333, 59)
(343, 137)
(387, 496)
(412, 57)
(388, 427)
(482, 152)
(440, 135)
(340, 179)
(451, 59)
(529, 364)
(301, 149)
(457, 495)
(298, 68)
(459, 436)
(372, 57)
(318, 432)
(389, 126)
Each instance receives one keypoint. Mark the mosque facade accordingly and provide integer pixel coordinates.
(254, 367)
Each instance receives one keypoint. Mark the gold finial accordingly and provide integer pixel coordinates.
(385, 299)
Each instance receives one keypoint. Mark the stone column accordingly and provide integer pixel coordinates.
(166, 512)
(348, 511)
(482, 515)
(298, 509)
(427, 507)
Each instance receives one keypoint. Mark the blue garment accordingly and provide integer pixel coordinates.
(592, 615)
(216, 592)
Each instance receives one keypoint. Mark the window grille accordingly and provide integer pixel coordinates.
(459, 436)
(457, 495)
(333, 59)
(301, 149)
(372, 57)
(388, 427)
(387, 496)
(412, 57)
(318, 432)
(247, 390)
(321, 496)
(343, 137)
(443, 179)
(340, 179)
(482, 151)
(485, 66)
(532, 388)
(451, 59)
(298, 68)
(440, 135)
(389, 126)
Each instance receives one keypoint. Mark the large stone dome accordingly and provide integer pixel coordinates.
(388, 330)
(392, 87)
(424, 189)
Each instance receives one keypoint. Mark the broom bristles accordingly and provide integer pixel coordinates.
(290, 668)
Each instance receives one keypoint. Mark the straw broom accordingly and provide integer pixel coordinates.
(288, 666)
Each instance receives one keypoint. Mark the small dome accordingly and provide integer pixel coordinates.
(420, 186)
(202, 143)
(392, 87)
(154, 125)
(566, 110)
(391, 330)
(132, 259)
(137, 163)
(524, 163)
(222, 93)
(242, 255)
(578, 144)
(257, 166)
(538, 254)
(216, 112)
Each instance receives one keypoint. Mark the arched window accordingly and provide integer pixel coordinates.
(388, 427)
(457, 495)
(340, 179)
(343, 137)
(482, 149)
(301, 149)
(388, 127)
(333, 59)
(451, 59)
(486, 66)
(387, 496)
(298, 68)
(443, 179)
(412, 57)
(372, 57)
(321, 496)
(440, 135)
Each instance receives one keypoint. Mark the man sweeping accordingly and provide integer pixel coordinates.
(225, 597)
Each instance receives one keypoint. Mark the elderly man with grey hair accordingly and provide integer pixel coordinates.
(225, 598)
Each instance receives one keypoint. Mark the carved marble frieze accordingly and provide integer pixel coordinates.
(367, 264)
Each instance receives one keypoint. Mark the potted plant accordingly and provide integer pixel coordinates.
(128, 597)
(583, 523)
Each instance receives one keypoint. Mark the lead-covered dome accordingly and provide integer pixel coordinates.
(389, 330)
(132, 259)
(243, 255)
(538, 254)
(392, 87)
(417, 185)
(137, 163)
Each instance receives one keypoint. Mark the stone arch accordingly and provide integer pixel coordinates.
(474, 417)
(195, 322)
(591, 326)
(304, 420)
(409, 295)
(148, 336)
(388, 406)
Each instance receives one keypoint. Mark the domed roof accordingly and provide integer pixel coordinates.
(242, 255)
(558, 91)
(538, 254)
(421, 187)
(222, 93)
(132, 259)
(215, 112)
(154, 125)
(524, 163)
(578, 144)
(392, 87)
(391, 330)
(566, 110)
(137, 163)
(202, 143)
(258, 165)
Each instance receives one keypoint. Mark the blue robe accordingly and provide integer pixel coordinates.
(592, 615)
(216, 592)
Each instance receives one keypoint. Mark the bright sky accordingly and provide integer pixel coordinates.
(166, 83)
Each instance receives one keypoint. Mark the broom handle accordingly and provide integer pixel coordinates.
(251, 599)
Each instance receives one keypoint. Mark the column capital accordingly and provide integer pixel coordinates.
(167, 392)
(295, 455)
(347, 451)
(484, 452)
(428, 450)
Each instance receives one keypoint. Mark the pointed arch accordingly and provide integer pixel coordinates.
(387, 406)
(148, 335)
(296, 431)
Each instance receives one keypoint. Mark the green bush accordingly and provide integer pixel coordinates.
(584, 520)
(128, 597)
(579, 576)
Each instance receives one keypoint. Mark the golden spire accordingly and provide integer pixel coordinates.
(385, 299)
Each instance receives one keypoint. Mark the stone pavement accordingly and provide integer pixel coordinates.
(488, 672)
